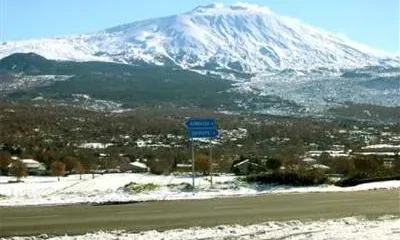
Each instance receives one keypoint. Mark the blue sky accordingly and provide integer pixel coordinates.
(372, 22)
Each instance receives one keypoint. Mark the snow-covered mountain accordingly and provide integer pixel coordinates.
(241, 37)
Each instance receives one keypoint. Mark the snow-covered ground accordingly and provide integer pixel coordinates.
(109, 187)
(352, 228)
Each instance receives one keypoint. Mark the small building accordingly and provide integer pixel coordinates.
(33, 167)
(309, 160)
(139, 167)
(134, 167)
(245, 167)
(184, 167)
(338, 148)
(335, 177)
(320, 166)
(103, 155)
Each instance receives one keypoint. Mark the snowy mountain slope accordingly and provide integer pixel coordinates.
(75, 48)
(241, 37)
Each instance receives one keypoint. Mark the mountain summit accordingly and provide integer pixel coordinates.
(241, 37)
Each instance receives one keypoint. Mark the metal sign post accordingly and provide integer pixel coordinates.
(211, 165)
(193, 163)
(201, 128)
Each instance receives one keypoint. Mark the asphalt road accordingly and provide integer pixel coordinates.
(164, 215)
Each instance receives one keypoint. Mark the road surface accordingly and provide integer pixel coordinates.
(77, 219)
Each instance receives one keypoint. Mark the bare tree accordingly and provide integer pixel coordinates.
(58, 169)
(88, 162)
(79, 169)
(18, 170)
(203, 164)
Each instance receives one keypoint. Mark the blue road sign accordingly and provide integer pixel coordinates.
(203, 133)
(201, 123)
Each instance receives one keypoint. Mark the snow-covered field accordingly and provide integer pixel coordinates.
(352, 228)
(109, 187)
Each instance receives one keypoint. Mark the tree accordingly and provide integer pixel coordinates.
(88, 162)
(70, 163)
(325, 158)
(343, 166)
(18, 170)
(203, 164)
(273, 164)
(396, 167)
(58, 169)
(5, 160)
(111, 162)
(79, 169)
(290, 155)
(160, 166)
(226, 162)
(47, 157)
(367, 165)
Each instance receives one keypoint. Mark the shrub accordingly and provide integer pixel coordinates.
(138, 188)
(273, 164)
(369, 165)
(342, 166)
(203, 164)
(184, 187)
(160, 166)
(307, 178)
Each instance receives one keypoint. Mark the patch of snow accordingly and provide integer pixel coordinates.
(241, 163)
(378, 153)
(38, 98)
(332, 153)
(349, 228)
(309, 160)
(84, 96)
(183, 165)
(122, 110)
(96, 145)
(320, 166)
(376, 146)
(139, 165)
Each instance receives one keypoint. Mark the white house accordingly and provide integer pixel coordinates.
(34, 167)
(320, 166)
(139, 167)
(309, 160)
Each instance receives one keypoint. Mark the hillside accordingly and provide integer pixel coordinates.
(112, 86)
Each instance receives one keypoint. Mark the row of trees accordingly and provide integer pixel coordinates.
(362, 166)
(19, 170)
(368, 166)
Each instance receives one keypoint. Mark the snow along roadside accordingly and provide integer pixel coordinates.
(108, 188)
(351, 228)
